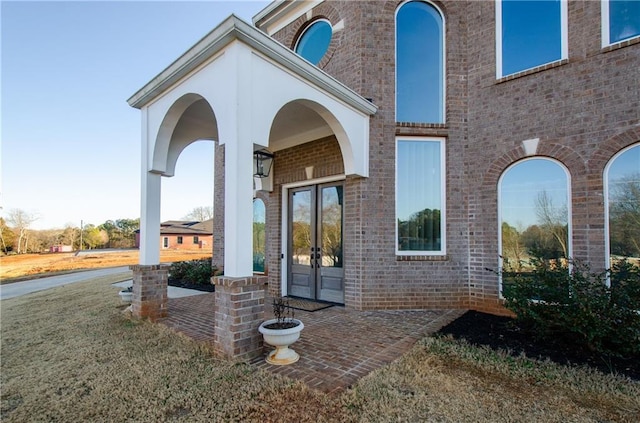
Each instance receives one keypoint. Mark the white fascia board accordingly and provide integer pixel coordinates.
(280, 13)
(234, 28)
(272, 11)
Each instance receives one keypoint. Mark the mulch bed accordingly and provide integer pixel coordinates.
(499, 332)
(188, 285)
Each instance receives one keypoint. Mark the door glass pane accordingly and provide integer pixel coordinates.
(301, 227)
(331, 229)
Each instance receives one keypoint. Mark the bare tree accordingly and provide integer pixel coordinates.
(624, 215)
(553, 220)
(6, 236)
(513, 249)
(200, 214)
(21, 220)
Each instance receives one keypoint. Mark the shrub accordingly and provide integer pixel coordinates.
(197, 271)
(566, 299)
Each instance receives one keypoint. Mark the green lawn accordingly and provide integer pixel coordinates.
(69, 355)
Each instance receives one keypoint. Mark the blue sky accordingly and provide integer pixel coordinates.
(70, 142)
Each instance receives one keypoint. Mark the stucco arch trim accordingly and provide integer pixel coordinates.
(175, 134)
(333, 126)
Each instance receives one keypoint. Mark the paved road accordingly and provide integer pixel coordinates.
(26, 287)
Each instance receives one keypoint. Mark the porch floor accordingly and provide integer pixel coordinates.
(336, 347)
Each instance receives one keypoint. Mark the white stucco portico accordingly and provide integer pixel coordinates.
(229, 87)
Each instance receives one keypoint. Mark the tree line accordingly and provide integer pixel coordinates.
(17, 237)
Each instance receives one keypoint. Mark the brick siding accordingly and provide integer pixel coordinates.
(584, 110)
(149, 291)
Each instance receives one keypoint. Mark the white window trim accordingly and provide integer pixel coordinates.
(605, 179)
(569, 212)
(605, 26)
(564, 39)
(443, 196)
(444, 59)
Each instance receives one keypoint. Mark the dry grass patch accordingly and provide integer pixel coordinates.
(441, 379)
(69, 354)
(19, 266)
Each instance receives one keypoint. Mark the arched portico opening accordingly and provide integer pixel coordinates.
(307, 211)
(300, 121)
(187, 120)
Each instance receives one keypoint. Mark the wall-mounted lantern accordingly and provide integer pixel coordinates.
(262, 162)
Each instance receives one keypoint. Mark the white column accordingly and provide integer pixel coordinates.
(150, 184)
(150, 219)
(238, 195)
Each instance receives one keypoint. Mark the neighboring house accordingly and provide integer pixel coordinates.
(420, 143)
(184, 235)
(60, 248)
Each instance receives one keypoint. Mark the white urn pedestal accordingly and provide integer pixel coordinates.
(281, 339)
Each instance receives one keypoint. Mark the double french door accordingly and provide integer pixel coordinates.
(315, 262)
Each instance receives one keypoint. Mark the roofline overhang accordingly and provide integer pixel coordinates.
(272, 10)
(231, 29)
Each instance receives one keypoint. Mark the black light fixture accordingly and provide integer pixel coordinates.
(262, 162)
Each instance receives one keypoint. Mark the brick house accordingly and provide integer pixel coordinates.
(184, 235)
(403, 170)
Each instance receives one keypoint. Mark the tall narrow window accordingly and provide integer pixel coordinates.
(314, 41)
(259, 238)
(622, 185)
(534, 213)
(620, 20)
(529, 33)
(419, 63)
(420, 210)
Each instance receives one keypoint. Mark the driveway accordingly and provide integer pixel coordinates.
(26, 287)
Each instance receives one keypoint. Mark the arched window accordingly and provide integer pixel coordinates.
(622, 193)
(419, 63)
(259, 237)
(534, 213)
(314, 41)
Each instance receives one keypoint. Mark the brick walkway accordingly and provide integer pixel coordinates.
(336, 347)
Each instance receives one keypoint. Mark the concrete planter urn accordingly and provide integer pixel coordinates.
(280, 335)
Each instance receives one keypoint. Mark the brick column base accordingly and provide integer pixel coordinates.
(239, 310)
(149, 291)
